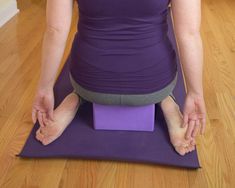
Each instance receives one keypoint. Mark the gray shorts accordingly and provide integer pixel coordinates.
(123, 99)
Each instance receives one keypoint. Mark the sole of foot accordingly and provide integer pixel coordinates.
(177, 134)
(63, 115)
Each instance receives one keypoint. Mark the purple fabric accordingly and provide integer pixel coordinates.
(81, 140)
(123, 47)
(123, 117)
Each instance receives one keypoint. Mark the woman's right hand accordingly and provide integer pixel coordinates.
(43, 106)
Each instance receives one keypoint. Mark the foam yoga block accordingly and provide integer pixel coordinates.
(123, 117)
(81, 140)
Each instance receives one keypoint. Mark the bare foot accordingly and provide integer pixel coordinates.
(63, 115)
(177, 134)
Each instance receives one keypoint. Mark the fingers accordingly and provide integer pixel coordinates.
(40, 119)
(203, 125)
(190, 129)
(51, 115)
(41, 116)
(49, 108)
(185, 119)
(202, 115)
(44, 118)
(196, 128)
(202, 118)
(193, 116)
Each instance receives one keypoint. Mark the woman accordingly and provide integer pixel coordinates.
(122, 56)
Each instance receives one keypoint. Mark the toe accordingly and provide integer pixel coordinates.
(44, 143)
(185, 144)
(186, 149)
(47, 140)
(188, 143)
(190, 148)
(39, 136)
(180, 150)
(44, 131)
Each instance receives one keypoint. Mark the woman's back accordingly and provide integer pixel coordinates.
(123, 47)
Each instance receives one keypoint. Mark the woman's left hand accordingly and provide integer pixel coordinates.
(194, 114)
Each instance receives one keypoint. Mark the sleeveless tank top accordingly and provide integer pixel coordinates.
(122, 46)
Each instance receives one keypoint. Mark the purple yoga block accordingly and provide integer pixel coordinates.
(124, 117)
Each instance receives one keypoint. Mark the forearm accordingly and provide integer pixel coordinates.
(53, 46)
(191, 57)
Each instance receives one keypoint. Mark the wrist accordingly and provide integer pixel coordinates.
(195, 93)
(44, 87)
(45, 83)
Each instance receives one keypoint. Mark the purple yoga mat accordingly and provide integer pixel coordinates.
(81, 140)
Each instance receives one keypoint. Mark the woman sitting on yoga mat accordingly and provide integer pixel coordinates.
(122, 49)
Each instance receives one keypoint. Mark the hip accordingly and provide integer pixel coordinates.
(123, 99)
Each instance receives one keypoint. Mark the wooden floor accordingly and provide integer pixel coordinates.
(20, 48)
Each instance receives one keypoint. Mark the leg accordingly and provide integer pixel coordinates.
(63, 114)
(174, 119)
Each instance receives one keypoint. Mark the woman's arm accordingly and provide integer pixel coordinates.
(187, 20)
(58, 21)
